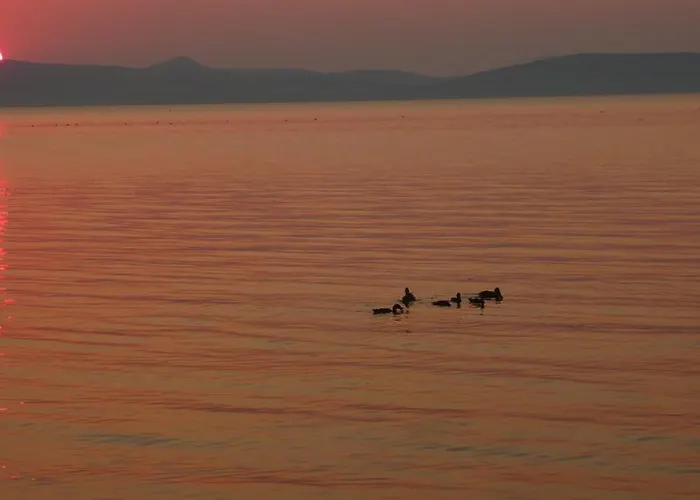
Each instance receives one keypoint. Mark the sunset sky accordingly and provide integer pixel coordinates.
(430, 36)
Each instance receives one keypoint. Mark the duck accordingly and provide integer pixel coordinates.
(396, 309)
(494, 294)
(442, 303)
(457, 299)
(476, 301)
(408, 297)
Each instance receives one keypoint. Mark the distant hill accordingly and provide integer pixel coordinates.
(584, 74)
(177, 64)
(184, 81)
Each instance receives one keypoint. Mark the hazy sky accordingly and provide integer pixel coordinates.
(432, 36)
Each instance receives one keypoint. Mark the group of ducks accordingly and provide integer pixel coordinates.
(478, 300)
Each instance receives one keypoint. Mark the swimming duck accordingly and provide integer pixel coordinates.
(396, 309)
(408, 297)
(457, 299)
(494, 294)
(476, 301)
(442, 303)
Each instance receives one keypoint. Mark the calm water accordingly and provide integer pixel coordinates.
(187, 293)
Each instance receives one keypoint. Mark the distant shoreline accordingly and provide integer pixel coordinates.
(369, 101)
(182, 81)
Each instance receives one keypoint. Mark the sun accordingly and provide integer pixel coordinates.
(1, 58)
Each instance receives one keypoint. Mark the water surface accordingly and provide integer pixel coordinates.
(187, 292)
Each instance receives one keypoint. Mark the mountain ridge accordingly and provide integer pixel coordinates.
(183, 80)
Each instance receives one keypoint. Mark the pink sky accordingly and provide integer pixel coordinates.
(431, 36)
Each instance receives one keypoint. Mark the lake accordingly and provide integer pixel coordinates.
(187, 299)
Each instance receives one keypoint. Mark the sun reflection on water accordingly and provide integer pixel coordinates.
(4, 195)
(5, 470)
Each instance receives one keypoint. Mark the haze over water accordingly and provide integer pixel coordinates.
(187, 295)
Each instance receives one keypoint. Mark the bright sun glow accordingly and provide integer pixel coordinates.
(0, 56)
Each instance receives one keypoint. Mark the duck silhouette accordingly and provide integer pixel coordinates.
(408, 297)
(494, 294)
(396, 309)
(476, 301)
(442, 303)
(457, 299)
